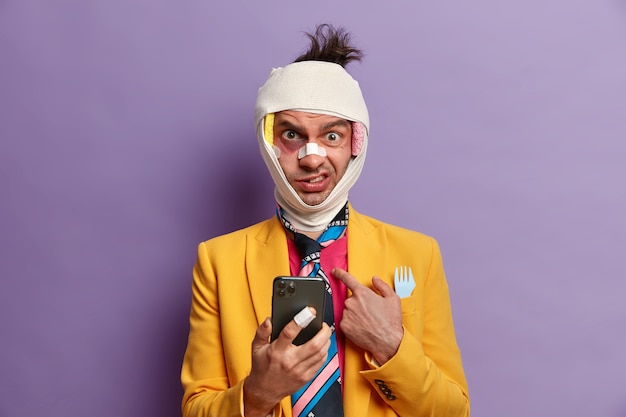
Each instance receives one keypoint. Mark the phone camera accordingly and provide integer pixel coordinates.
(285, 288)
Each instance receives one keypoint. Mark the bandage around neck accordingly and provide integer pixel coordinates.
(312, 87)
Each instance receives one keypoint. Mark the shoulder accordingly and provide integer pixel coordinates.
(239, 237)
(393, 232)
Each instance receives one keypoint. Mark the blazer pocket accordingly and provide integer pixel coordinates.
(409, 305)
(410, 314)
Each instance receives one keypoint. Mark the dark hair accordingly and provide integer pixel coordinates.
(331, 44)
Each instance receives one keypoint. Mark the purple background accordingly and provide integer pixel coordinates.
(126, 138)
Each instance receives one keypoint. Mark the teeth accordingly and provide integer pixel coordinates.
(318, 179)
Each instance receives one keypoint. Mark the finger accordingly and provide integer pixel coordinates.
(314, 351)
(321, 340)
(382, 287)
(323, 335)
(263, 332)
(305, 317)
(292, 329)
(351, 282)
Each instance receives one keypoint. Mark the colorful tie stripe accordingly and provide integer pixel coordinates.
(322, 395)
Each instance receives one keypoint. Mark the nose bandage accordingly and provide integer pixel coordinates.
(311, 149)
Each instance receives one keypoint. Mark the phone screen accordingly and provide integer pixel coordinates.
(292, 294)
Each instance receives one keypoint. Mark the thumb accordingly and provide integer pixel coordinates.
(262, 335)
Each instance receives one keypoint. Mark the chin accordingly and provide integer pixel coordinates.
(313, 200)
(313, 203)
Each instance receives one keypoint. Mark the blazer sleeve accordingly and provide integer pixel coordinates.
(426, 375)
(204, 373)
(231, 296)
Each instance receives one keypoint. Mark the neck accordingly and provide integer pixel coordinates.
(313, 235)
(336, 227)
(310, 219)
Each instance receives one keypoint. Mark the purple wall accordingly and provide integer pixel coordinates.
(126, 138)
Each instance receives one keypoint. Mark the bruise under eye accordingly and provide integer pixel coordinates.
(289, 140)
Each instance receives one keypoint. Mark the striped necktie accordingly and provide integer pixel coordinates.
(321, 396)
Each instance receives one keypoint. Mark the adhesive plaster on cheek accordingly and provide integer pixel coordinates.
(311, 149)
(358, 137)
(304, 317)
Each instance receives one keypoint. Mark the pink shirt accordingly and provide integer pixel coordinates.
(333, 256)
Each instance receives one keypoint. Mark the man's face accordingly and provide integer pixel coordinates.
(313, 177)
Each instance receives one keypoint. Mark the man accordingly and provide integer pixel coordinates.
(380, 353)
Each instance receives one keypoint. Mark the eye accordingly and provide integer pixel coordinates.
(332, 137)
(290, 135)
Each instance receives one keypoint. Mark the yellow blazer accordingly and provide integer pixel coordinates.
(231, 296)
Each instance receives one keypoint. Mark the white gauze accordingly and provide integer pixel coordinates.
(313, 87)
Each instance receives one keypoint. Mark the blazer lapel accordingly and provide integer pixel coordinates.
(266, 258)
(365, 259)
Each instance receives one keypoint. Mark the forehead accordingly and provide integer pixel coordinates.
(306, 118)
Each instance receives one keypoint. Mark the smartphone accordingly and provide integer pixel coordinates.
(292, 294)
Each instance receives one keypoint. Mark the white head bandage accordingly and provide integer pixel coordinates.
(313, 87)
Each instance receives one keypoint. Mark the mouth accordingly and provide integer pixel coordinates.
(314, 184)
(316, 179)
(313, 177)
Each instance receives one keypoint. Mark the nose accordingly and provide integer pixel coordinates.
(311, 156)
(311, 148)
(312, 161)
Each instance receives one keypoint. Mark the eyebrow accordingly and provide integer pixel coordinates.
(288, 125)
(338, 122)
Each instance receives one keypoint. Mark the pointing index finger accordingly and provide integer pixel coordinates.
(351, 282)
